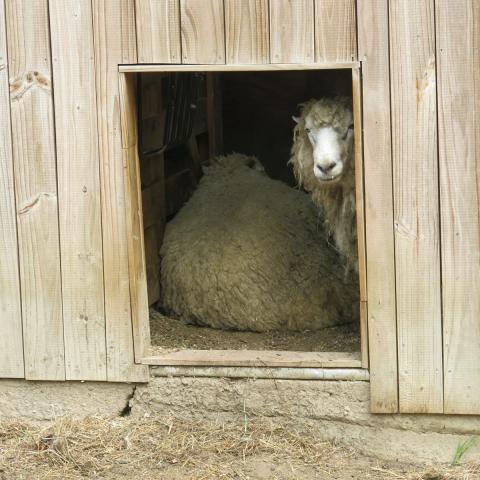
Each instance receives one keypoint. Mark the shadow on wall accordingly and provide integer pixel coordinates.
(258, 109)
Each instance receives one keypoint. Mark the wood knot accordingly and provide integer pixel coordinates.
(42, 80)
(33, 202)
(19, 86)
(405, 230)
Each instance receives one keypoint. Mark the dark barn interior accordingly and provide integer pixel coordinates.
(185, 119)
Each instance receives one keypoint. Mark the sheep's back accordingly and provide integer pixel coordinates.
(249, 253)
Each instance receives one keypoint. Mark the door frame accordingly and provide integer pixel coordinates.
(136, 254)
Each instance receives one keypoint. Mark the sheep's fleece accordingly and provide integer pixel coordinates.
(249, 253)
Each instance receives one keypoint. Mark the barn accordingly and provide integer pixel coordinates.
(86, 189)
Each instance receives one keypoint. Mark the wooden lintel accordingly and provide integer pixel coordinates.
(236, 68)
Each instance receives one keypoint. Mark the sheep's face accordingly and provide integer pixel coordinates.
(329, 127)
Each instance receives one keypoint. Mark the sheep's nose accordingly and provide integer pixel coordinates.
(326, 168)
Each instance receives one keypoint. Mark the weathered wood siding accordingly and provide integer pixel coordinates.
(246, 31)
(79, 189)
(335, 32)
(11, 348)
(158, 27)
(67, 300)
(377, 144)
(202, 31)
(416, 217)
(114, 45)
(420, 183)
(73, 301)
(292, 31)
(458, 44)
(134, 216)
(65, 280)
(33, 134)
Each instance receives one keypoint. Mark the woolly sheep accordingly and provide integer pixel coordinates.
(322, 156)
(247, 252)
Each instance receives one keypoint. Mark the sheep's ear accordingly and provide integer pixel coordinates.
(295, 119)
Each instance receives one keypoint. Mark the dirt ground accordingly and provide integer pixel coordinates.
(171, 334)
(173, 448)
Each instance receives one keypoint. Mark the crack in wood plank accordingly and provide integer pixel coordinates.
(27, 207)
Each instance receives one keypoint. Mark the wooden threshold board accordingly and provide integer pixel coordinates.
(236, 68)
(254, 358)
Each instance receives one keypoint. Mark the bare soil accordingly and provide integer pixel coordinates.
(171, 334)
(173, 448)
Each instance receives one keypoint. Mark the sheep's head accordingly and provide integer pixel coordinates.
(325, 128)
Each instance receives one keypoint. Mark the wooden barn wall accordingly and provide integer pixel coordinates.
(458, 53)
(420, 58)
(66, 301)
(64, 277)
(377, 144)
(79, 189)
(115, 42)
(416, 205)
(64, 271)
(33, 134)
(246, 31)
(11, 347)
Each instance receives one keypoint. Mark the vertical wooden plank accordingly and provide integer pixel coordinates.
(11, 348)
(128, 38)
(135, 229)
(79, 189)
(382, 336)
(458, 47)
(335, 31)
(202, 31)
(415, 171)
(36, 187)
(291, 31)
(158, 31)
(360, 204)
(114, 35)
(246, 31)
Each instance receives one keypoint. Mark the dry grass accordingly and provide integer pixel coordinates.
(178, 449)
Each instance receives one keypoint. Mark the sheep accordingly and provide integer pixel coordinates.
(323, 162)
(247, 253)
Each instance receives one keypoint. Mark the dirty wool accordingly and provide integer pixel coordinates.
(250, 253)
